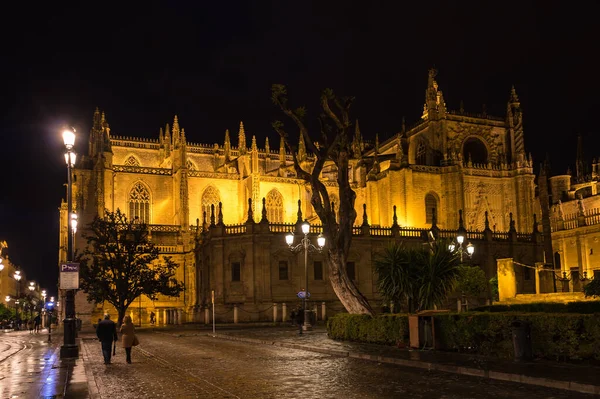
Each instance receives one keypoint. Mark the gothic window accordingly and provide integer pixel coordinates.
(132, 161)
(274, 206)
(139, 203)
(190, 165)
(430, 207)
(210, 197)
(236, 271)
(475, 150)
(421, 154)
(283, 270)
(318, 270)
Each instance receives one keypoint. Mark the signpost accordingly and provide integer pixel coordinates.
(69, 276)
(213, 306)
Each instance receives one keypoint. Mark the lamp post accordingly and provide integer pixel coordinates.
(1, 268)
(69, 348)
(49, 317)
(31, 287)
(468, 249)
(306, 245)
(18, 277)
(44, 307)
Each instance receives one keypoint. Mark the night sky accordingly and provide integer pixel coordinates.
(213, 65)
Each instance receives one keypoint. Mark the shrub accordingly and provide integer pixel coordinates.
(554, 336)
(388, 329)
(582, 307)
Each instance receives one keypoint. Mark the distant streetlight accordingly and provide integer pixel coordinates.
(306, 245)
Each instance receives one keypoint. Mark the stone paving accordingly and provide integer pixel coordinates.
(184, 363)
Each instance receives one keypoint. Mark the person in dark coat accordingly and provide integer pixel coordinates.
(107, 334)
(300, 319)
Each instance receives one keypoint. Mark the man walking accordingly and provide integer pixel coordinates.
(107, 333)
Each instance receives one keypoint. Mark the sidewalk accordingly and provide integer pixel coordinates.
(572, 377)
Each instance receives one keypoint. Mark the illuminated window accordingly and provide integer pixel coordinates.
(132, 161)
(139, 203)
(210, 197)
(274, 205)
(430, 207)
(283, 270)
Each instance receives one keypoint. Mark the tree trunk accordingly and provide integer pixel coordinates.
(344, 288)
(122, 310)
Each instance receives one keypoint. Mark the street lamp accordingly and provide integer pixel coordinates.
(69, 348)
(306, 245)
(468, 249)
(18, 277)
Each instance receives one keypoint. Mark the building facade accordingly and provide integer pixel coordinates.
(221, 209)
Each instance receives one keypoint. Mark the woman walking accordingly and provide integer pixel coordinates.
(128, 336)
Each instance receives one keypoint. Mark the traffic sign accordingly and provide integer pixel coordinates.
(302, 294)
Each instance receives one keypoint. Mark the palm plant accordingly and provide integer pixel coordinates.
(423, 276)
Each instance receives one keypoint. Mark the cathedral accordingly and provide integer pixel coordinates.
(221, 210)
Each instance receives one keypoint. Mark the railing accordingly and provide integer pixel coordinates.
(235, 229)
(282, 227)
(167, 228)
(142, 170)
(167, 248)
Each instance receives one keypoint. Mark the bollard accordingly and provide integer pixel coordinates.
(323, 311)
(235, 313)
(206, 315)
(179, 316)
(316, 312)
(274, 312)
(166, 316)
(458, 305)
(283, 312)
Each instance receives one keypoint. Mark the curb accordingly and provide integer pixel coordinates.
(446, 368)
(93, 390)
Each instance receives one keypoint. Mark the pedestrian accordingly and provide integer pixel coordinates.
(30, 326)
(107, 333)
(300, 319)
(37, 321)
(152, 318)
(128, 338)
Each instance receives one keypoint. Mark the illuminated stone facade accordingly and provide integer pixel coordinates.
(575, 221)
(448, 161)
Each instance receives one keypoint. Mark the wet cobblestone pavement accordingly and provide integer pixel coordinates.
(193, 364)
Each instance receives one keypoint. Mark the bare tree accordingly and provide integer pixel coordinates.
(334, 145)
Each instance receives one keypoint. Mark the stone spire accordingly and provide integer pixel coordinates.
(281, 153)
(227, 146)
(161, 138)
(514, 120)
(435, 106)
(267, 147)
(254, 155)
(168, 142)
(242, 139)
(357, 143)
(580, 164)
(176, 131)
(301, 149)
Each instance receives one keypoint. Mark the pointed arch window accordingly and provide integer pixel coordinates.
(421, 154)
(211, 196)
(132, 161)
(139, 203)
(275, 206)
(431, 206)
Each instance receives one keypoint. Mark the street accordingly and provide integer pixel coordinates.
(193, 364)
(190, 364)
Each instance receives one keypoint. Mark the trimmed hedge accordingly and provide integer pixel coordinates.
(583, 307)
(554, 336)
(387, 329)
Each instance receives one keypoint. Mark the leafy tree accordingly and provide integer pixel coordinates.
(422, 276)
(334, 146)
(592, 288)
(6, 313)
(120, 263)
(471, 282)
(494, 288)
